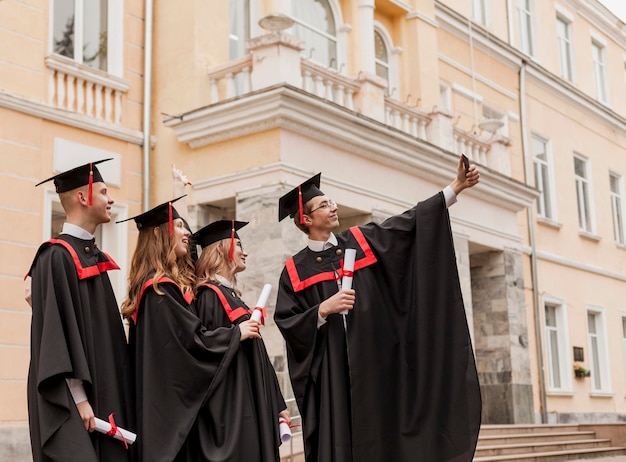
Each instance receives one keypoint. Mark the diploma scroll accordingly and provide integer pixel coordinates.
(285, 431)
(121, 434)
(348, 270)
(257, 313)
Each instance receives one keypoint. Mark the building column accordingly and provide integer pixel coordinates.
(268, 244)
(501, 337)
(366, 43)
(461, 250)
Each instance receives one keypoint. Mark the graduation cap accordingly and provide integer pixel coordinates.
(87, 174)
(218, 230)
(162, 213)
(293, 202)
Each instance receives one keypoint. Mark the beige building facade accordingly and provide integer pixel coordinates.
(251, 97)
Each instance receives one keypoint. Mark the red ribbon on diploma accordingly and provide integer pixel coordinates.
(115, 430)
(263, 314)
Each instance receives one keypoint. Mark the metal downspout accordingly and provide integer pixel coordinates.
(147, 103)
(533, 250)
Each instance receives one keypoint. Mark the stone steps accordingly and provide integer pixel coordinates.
(541, 443)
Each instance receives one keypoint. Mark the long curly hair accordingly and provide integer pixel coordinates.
(214, 260)
(155, 256)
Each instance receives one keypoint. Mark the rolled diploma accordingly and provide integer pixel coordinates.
(348, 266)
(265, 293)
(103, 426)
(285, 431)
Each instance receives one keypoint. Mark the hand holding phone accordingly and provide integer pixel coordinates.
(465, 162)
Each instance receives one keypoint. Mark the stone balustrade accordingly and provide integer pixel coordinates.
(81, 89)
(406, 118)
(328, 84)
(231, 79)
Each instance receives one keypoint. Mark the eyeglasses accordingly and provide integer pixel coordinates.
(325, 205)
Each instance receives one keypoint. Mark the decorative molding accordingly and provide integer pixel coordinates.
(287, 107)
(71, 119)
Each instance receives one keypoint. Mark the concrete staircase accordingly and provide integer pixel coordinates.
(544, 443)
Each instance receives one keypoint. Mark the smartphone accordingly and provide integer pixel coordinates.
(465, 162)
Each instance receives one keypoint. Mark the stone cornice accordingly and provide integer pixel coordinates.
(38, 109)
(298, 111)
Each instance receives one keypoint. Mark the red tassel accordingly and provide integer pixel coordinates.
(171, 221)
(90, 200)
(231, 253)
(300, 205)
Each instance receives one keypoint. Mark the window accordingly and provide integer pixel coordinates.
(583, 194)
(617, 207)
(543, 177)
(315, 24)
(382, 58)
(80, 31)
(556, 346)
(479, 11)
(524, 14)
(564, 32)
(597, 351)
(238, 27)
(598, 52)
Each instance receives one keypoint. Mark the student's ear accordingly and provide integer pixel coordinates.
(307, 220)
(155, 230)
(81, 197)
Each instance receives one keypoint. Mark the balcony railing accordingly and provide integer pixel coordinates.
(276, 58)
(474, 147)
(328, 84)
(83, 90)
(231, 79)
(406, 118)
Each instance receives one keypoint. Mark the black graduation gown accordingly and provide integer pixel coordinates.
(76, 332)
(177, 362)
(240, 420)
(401, 385)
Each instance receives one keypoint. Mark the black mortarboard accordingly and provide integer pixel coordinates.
(162, 213)
(75, 178)
(218, 230)
(293, 202)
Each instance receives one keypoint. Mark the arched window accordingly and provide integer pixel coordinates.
(386, 58)
(315, 24)
(381, 56)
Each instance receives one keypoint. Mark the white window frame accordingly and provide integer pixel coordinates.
(563, 345)
(585, 210)
(525, 24)
(617, 209)
(392, 56)
(480, 12)
(240, 51)
(601, 363)
(341, 31)
(115, 35)
(548, 170)
(600, 68)
(565, 48)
